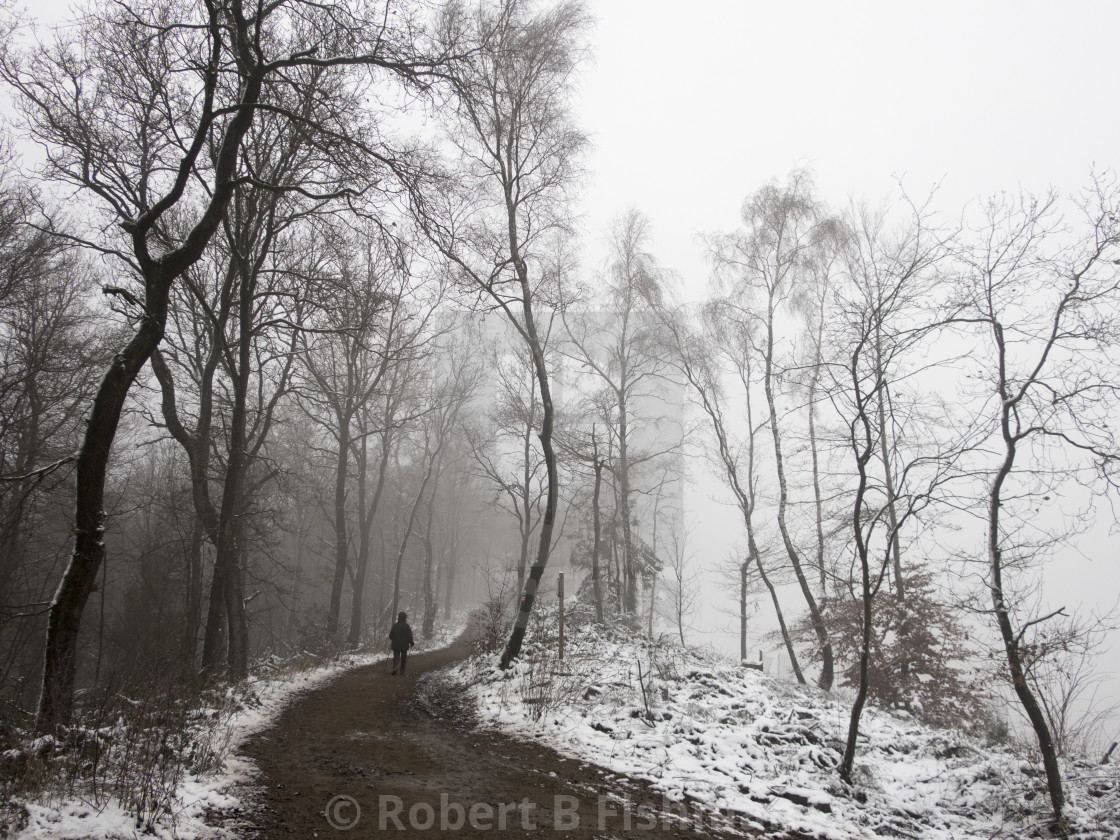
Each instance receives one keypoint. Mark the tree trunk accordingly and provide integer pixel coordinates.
(787, 640)
(214, 635)
(526, 495)
(743, 568)
(863, 456)
(405, 538)
(597, 536)
(64, 620)
(452, 558)
(353, 637)
(198, 445)
(428, 620)
(230, 547)
(341, 547)
(428, 623)
(892, 510)
(615, 573)
(532, 584)
(1035, 714)
(864, 663)
(818, 507)
(294, 592)
(815, 618)
(194, 598)
(629, 572)
(368, 515)
(237, 621)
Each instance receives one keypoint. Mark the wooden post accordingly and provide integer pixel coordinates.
(560, 594)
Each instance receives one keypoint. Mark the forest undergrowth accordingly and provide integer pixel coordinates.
(132, 746)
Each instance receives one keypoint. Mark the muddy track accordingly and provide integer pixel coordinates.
(375, 755)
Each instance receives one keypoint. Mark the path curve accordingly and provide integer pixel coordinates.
(375, 755)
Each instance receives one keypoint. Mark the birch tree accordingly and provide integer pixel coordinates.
(736, 445)
(618, 343)
(520, 148)
(761, 268)
(1042, 296)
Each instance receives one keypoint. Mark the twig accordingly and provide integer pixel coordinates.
(1030, 624)
(43, 608)
(40, 473)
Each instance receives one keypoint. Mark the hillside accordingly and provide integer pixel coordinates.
(735, 746)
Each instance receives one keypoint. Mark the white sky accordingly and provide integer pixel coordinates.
(691, 106)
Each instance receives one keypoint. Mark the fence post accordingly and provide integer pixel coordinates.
(560, 593)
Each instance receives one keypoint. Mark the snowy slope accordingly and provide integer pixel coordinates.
(763, 753)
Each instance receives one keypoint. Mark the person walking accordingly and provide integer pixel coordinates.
(400, 638)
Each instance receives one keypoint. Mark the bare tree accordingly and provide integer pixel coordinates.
(375, 323)
(597, 464)
(815, 308)
(1060, 667)
(200, 368)
(784, 231)
(879, 331)
(266, 276)
(889, 303)
(458, 387)
(301, 486)
(47, 351)
(457, 514)
(429, 456)
(684, 590)
(736, 455)
(129, 104)
(49, 354)
(1042, 297)
(247, 298)
(386, 418)
(583, 453)
(619, 344)
(519, 148)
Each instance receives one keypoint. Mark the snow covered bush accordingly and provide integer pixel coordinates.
(491, 624)
(131, 749)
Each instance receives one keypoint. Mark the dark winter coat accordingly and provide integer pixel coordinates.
(400, 637)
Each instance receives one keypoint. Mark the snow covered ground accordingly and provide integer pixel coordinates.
(718, 738)
(252, 707)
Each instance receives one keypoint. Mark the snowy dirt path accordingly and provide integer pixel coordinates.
(377, 755)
